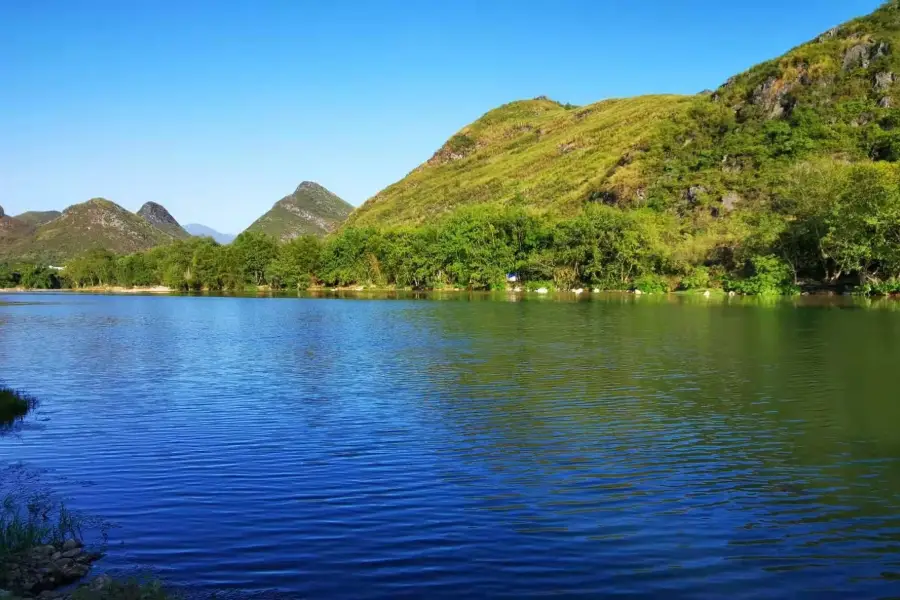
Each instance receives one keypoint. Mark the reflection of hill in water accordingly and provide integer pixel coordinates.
(753, 417)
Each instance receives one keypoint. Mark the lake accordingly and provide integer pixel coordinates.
(358, 448)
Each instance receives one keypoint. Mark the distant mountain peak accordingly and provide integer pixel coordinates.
(198, 230)
(309, 185)
(159, 217)
(157, 214)
(310, 210)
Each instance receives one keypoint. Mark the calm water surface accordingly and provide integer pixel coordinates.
(408, 448)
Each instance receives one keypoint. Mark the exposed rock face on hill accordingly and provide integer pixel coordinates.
(712, 155)
(159, 217)
(310, 210)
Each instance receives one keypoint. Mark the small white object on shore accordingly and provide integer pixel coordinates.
(541, 290)
(578, 290)
(638, 292)
(706, 294)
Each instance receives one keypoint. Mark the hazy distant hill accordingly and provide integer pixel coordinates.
(36, 218)
(311, 209)
(204, 231)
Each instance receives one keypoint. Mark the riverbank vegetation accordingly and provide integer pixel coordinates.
(833, 226)
(13, 405)
(32, 521)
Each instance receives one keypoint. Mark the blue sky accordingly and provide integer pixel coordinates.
(218, 108)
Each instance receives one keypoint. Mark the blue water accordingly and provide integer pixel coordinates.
(413, 448)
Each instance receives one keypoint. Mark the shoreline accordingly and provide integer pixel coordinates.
(814, 296)
(158, 289)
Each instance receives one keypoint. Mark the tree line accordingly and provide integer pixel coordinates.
(830, 225)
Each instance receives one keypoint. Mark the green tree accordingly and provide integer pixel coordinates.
(295, 264)
(36, 277)
(255, 251)
(94, 267)
(8, 277)
(863, 223)
(609, 247)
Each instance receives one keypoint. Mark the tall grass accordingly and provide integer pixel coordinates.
(14, 405)
(37, 520)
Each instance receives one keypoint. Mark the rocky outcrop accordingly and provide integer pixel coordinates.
(40, 571)
(883, 80)
(157, 214)
(695, 193)
(2, 214)
(159, 217)
(856, 56)
(773, 95)
(863, 53)
(730, 201)
(457, 148)
(830, 34)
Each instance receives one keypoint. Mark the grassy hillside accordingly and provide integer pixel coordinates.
(537, 153)
(310, 210)
(701, 157)
(97, 223)
(36, 218)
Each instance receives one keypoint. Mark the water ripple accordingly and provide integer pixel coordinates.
(366, 449)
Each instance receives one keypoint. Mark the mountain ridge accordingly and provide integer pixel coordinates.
(36, 218)
(96, 223)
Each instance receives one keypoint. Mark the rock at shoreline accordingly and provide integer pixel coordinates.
(41, 570)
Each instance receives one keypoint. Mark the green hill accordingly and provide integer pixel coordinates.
(310, 210)
(538, 153)
(36, 218)
(700, 157)
(97, 223)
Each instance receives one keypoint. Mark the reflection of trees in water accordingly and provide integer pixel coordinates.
(772, 409)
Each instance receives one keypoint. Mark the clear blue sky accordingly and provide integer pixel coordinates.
(218, 108)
